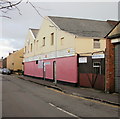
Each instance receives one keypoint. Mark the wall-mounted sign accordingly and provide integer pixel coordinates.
(47, 63)
(98, 56)
(82, 59)
(40, 64)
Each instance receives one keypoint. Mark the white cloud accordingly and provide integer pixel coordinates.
(6, 47)
(13, 31)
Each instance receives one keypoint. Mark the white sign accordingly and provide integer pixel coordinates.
(40, 64)
(47, 63)
(98, 56)
(82, 59)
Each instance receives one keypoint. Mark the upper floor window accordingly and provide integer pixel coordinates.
(97, 67)
(52, 38)
(25, 50)
(37, 43)
(43, 41)
(31, 47)
(96, 43)
(28, 41)
(62, 40)
(28, 49)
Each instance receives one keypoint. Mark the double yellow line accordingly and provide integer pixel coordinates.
(110, 105)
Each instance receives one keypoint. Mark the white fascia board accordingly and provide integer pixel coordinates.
(32, 34)
(47, 18)
(61, 53)
(115, 40)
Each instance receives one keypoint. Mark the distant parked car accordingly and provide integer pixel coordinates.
(6, 71)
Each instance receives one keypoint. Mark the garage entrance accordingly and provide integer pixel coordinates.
(117, 68)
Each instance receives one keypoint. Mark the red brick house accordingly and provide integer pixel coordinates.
(113, 60)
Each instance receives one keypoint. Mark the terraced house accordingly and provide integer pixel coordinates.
(14, 60)
(68, 50)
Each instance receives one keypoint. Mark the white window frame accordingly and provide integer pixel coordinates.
(97, 66)
(96, 43)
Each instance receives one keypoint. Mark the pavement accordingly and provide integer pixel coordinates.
(88, 93)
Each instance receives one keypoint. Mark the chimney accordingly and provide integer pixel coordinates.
(112, 22)
(10, 53)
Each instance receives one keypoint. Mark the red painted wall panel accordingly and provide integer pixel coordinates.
(100, 82)
(31, 68)
(49, 68)
(85, 79)
(66, 69)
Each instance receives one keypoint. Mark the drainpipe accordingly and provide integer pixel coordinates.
(56, 54)
(105, 71)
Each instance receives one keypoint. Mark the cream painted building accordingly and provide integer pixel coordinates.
(51, 37)
(59, 39)
(15, 59)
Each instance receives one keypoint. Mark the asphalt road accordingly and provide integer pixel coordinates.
(25, 99)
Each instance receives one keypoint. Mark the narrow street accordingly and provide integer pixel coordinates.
(25, 99)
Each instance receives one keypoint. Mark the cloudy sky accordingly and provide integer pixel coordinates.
(14, 31)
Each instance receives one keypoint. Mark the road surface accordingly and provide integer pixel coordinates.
(21, 98)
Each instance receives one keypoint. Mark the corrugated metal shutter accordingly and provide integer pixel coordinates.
(117, 68)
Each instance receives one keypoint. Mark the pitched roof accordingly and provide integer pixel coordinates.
(83, 27)
(117, 33)
(35, 32)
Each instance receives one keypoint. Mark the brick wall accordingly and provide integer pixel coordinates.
(5, 63)
(0, 63)
(110, 83)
